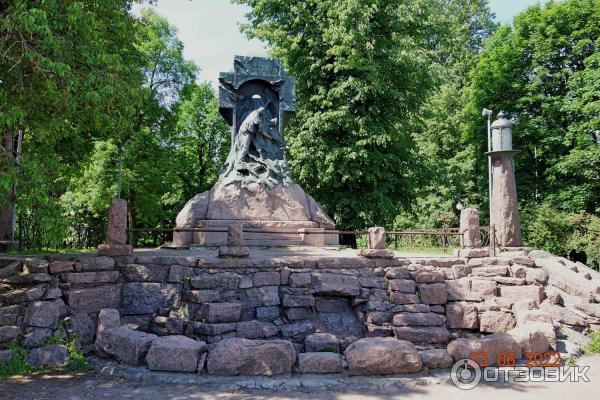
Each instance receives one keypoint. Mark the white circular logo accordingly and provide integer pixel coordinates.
(465, 374)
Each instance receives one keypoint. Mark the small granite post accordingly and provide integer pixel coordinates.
(376, 244)
(471, 235)
(469, 227)
(505, 207)
(116, 231)
(235, 235)
(235, 243)
(376, 238)
(117, 222)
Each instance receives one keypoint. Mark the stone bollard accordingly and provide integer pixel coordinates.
(235, 235)
(235, 243)
(469, 227)
(376, 238)
(117, 222)
(471, 235)
(376, 245)
(116, 231)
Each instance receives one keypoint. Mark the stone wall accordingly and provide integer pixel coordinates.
(299, 313)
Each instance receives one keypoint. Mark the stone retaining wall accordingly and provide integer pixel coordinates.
(304, 314)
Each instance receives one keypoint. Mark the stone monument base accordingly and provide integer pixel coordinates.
(279, 216)
(376, 253)
(113, 250)
(234, 252)
(260, 233)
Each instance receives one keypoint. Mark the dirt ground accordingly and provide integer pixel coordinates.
(92, 386)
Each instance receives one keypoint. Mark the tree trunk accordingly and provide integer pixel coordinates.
(6, 226)
(131, 220)
(7, 208)
(202, 167)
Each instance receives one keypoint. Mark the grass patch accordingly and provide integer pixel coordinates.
(77, 362)
(594, 346)
(49, 250)
(17, 364)
(329, 349)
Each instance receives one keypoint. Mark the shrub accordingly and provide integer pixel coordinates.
(563, 233)
(329, 349)
(547, 228)
(586, 239)
(594, 345)
(17, 365)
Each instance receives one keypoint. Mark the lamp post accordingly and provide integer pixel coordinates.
(488, 113)
(504, 207)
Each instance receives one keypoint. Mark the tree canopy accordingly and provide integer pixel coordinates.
(543, 71)
(89, 84)
(388, 130)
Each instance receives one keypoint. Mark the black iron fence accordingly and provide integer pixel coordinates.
(443, 238)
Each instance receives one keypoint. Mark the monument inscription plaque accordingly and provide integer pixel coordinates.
(255, 187)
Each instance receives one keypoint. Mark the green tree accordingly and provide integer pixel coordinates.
(68, 77)
(150, 152)
(544, 72)
(166, 75)
(361, 69)
(201, 140)
(567, 234)
(447, 159)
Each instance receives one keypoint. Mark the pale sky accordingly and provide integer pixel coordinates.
(209, 30)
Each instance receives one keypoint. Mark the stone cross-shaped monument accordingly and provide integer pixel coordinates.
(255, 187)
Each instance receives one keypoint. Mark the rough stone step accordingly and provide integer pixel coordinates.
(419, 319)
(272, 242)
(279, 236)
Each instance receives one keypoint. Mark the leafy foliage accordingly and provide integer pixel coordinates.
(16, 365)
(361, 68)
(563, 233)
(543, 72)
(594, 346)
(388, 129)
(202, 137)
(132, 100)
(448, 166)
(69, 76)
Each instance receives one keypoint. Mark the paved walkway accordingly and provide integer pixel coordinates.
(259, 253)
(290, 251)
(92, 386)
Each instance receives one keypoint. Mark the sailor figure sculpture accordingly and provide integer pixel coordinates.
(257, 148)
(253, 132)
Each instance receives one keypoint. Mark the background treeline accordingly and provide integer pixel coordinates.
(91, 85)
(388, 131)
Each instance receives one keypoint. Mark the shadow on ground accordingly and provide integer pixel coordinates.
(92, 386)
